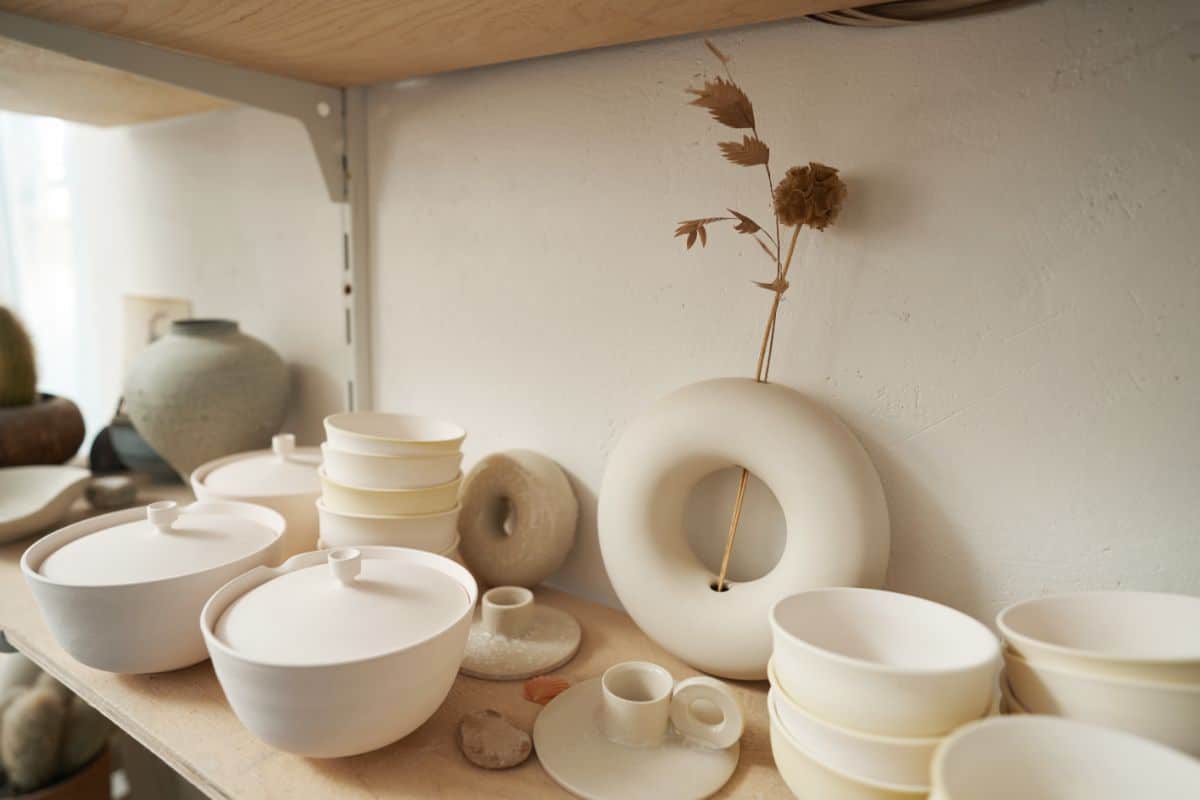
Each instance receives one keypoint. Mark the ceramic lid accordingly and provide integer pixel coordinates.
(281, 470)
(352, 607)
(167, 542)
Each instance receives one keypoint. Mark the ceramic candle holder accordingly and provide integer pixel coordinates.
(507, 611)
(640, 698)
(513, 637)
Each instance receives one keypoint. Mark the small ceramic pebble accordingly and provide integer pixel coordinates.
(490, 741)
(544, 688)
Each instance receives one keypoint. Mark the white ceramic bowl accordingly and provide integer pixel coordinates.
(810, 779)
(430, 532)
(1140, 635)
(1165, 712)
(367, 471)
(1031, 756)
(149, 626)
(380, 434)
(1009, 704)
(353, 500)
(882, 662)
(885, 759)
(346, 707)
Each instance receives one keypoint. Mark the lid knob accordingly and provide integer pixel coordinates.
(345, 563)
(283, 444)
(162, 515)
(507, 610)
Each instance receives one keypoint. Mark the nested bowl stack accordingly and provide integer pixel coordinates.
(1124, 660)
(865, 686)
(390, 480)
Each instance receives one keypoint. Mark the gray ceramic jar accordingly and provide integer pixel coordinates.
(206, 390)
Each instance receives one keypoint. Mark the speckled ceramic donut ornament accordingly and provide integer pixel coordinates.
(837, 522)
(518, 518)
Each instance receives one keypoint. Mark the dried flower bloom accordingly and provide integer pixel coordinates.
(810, 195)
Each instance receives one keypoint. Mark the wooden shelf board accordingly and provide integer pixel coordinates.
(184, 719)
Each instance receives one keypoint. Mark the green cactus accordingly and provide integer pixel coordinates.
(18, 369)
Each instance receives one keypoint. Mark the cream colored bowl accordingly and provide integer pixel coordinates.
(367, 471)
(882, 662)
(431, 532)
(1140, 635)
(1009, 704)
(810, 779)
(377, 433)
(1165, 712)
(886, 759)
(352, 500)
(1030, 756)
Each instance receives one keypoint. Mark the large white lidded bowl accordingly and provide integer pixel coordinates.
(1141, 635)
(433, 533)
(341, 651)
(121, 592)
(1165, 712)
(882, 662)
(381, 434)
(367, 471)
(1030, 756)
(283, 478)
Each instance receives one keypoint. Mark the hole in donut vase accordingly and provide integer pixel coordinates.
(503, 516)
(761, 530)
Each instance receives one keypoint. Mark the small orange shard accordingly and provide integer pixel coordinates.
(544, 688)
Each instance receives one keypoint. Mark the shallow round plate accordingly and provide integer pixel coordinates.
(575, 753)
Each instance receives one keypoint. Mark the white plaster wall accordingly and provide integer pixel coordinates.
(1008, 313)
(226, 209)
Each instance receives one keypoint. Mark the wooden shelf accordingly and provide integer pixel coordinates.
(184, 719)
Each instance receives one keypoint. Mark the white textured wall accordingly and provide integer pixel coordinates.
(1008, 314)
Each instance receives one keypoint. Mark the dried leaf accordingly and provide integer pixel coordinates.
(691, 239)
(770, 253)
(727, 104)
(745, 224)
(694, 228)
(779, 285)
(750, 152)
(703, 236)
(724, 59)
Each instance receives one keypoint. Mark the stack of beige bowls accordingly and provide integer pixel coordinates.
(865, 684)
(390, 479)
(1125, 660)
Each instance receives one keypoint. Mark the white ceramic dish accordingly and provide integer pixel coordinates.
(430, 532)
(125, 601)
(380, 434)
(885, 759)
(810, 779)
(35, 498)
(283, 478)
(1031, 756)
(1165, 712)
(340, 651)
(1009, 704)
(882, 662)
(1140, 635)
(409, 502)
(367, 471)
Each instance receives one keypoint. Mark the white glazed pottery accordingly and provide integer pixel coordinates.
(430, 532)
(832, 501)
(352, 500)
(340, 651)
(120, 592)
(883, 662)
(1031, 756)
(366, 471)
(34, 498)
(640, 698)
(283, 478)
(1140, 635)
(1009, 704)
(1165, 712)
(884, 759)
(809, 779)
(381, 434)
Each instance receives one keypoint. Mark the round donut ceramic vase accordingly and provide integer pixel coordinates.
(838, 532)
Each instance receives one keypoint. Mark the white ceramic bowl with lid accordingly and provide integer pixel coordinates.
(1141, 635)
(367, 471)
(882, 662)
(383, 434)
(342, 651)
(433, 533)
(283, 478)
(120, 592)
(1031, 756)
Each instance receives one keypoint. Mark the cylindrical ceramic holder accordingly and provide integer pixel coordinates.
(507, 611)
(640, 698)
